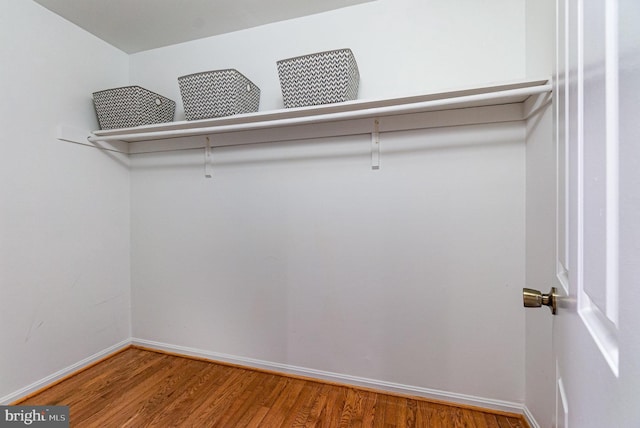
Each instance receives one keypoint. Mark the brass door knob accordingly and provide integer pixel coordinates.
(535, 299)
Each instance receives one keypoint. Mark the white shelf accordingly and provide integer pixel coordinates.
(469, 98)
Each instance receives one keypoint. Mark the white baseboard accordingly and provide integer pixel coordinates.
(434, 394)
(62, 373)
(528, 416)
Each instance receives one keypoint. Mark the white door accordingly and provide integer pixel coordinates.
(595, 333)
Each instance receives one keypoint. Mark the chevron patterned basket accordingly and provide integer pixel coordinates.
(131, 106)
(319, 78)
(218, 93)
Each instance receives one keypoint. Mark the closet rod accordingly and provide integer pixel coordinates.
(329, 117)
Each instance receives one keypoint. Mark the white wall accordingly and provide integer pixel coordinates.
(297, 253)
(64, 219)
(540, 265)
(403, 47)
(541, 212)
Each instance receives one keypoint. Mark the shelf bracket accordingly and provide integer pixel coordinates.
(208, 159)
(80, 136)
(375, 145)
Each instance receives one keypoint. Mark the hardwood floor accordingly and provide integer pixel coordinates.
(137, 388)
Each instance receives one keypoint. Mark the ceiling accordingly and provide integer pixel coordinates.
(138, 25)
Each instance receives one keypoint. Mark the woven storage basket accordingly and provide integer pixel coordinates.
(131, 106)
(218, 93)
(319, 78)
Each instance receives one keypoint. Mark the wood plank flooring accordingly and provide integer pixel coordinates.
(140, 388)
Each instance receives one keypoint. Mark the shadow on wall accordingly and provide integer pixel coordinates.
(351, 148)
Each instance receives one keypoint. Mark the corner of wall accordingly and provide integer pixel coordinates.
(65, 262)
(540, 216)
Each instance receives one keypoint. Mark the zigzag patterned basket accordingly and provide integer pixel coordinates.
(218, 93)
(131, 106)
(319, 78)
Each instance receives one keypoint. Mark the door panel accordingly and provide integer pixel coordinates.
(562, 411)
(599, 158)
(585, 332)
(596, 334)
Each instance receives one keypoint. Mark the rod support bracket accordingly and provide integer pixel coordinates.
(208, 158)
(375, 145)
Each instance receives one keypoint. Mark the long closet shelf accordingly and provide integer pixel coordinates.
(510, 93)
